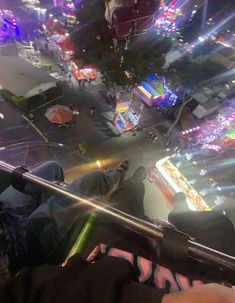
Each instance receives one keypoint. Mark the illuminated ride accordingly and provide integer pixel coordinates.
(205, 177)
(204, 168)
(125, 117)
(170, 181)
(217, 134)
(155, 93)
(125, 20)
(166, 21)
(8, 24)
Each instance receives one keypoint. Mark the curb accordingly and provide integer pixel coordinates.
(44, 104)
(35, 127)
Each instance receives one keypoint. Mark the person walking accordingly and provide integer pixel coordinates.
(83, 83)
(150, 134)
(154, 138)
(92, 110)
(79, 82)
(133, 131)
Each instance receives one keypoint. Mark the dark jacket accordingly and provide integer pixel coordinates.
(206, 227)
(108, 280)
(12, 246)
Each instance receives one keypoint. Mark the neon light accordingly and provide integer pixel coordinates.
(144, 91)
(166, 176)
(191, 130)
(166, 21)
(217, 148)
(156, 90)
(180, 184)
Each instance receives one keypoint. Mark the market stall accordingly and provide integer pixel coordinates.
(58, 38)
(125, 117)
(65, 49)
(86, 72)
(154, 92)
(169, 177)
(217, 133)
(70, 17)
(52, 27)
(203, 168)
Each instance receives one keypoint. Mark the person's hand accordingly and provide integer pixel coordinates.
(208, 293)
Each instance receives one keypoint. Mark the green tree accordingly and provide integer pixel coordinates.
(127, 66)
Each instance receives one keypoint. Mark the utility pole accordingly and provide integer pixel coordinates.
(185, 102)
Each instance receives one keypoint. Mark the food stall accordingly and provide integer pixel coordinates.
(65, 49)
(82, 72)
(70, 18)
(154, 92)
(53, 27)
(204, 170)
(217, 133)
(170, 180)
(58, 39)
(125, 117)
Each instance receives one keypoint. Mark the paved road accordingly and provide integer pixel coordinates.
(98, 132)
(103, 141)
(12, 128)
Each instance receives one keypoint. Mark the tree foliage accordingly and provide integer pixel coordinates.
(192, 74)
(94, 45)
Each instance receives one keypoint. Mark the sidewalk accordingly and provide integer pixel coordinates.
(104, 143)
(103, 140)
(15, 135)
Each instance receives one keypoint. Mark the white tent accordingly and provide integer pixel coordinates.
(22, 78)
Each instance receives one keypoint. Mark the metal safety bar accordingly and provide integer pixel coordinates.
(146, 229)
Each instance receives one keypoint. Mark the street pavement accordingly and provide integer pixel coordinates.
(98, 132)
(8, 49)
(104, 142)
(12, 127)
(15, 135)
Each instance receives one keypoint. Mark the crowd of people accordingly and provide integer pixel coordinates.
(82, 82)
(38, 229)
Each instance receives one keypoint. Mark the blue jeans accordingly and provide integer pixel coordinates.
(52, 227)
(24, 203)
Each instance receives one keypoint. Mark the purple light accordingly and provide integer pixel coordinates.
(212, 146)
(70, 5)
(191, 130)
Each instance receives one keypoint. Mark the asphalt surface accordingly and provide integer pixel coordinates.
(103, 141)
(98, 132)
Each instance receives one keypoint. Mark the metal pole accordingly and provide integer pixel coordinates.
(146, 229)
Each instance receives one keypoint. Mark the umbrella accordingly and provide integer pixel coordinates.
(59, 114)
